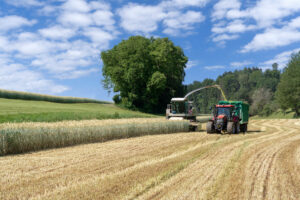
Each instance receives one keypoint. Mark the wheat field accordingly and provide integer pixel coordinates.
(25, 137)
(262, 164)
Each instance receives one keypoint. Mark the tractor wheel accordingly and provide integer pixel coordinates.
(209, 127)
(237, 130)
(230, 127)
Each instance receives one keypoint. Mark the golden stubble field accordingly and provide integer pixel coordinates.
(262, 164)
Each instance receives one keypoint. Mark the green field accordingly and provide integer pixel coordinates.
(278, 115)
(13, 110)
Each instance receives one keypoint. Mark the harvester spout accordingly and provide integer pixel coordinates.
(210, 86)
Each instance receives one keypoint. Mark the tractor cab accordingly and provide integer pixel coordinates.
(180, 108)
(224, 111)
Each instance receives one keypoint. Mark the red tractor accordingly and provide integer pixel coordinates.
(230, 117)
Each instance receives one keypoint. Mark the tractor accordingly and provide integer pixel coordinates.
(230, 117)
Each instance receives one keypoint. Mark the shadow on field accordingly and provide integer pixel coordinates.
(248, 132)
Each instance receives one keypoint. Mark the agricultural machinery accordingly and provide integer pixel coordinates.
(230, 117)
(182, 108)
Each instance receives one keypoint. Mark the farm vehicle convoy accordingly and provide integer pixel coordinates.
(227, 116)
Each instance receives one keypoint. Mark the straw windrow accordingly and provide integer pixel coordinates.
(26, 139)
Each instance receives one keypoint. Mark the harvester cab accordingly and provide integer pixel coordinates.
(180, 109)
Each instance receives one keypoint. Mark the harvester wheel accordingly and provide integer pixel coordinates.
(209, 127)
(230, 127)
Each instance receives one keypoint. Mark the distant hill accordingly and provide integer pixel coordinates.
(20, 110)
(8, 94)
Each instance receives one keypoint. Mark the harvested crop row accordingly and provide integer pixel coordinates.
(79, 124)
(22, 139)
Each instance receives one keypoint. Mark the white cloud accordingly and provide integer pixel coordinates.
(25, 3)
(76, 19)
(224, 37)
(177, 21)
(240, 64)
(79, 73)
(191, 63)
(18, 77)
(183, 3)
(145, 19)
(104, 18)
(281, 59)
(139, 18)
(267, 15)
(57, 32)
(272, 38)
(221, 8)
(214, 67)
(236, 26)
(13, 22)
(76, 6)
(99, 37)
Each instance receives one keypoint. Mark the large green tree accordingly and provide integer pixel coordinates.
(288, 91)
(145, 72)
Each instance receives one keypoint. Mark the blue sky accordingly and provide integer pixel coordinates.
(53, 47)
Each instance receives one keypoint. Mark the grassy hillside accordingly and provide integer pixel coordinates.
(40, 97)
(13, 110)
(277, 115)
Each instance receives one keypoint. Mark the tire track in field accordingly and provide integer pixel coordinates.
(209, 176)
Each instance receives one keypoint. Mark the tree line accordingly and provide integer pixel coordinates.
(266, 91)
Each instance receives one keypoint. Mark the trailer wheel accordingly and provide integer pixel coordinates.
(243, 128)
(230, 127)
(209, 127)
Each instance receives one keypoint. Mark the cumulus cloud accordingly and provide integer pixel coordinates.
(281, 59)
(24, 3)
(66, 47)
(57, 32)
(267, 15)
(145, 19)
(13, 21)
(177, 21)
(275, 37)
(214, 67)
(240, 64)
(18, 77)
(140, 18)
(191, 63)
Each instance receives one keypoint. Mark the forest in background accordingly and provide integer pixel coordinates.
(253, 85)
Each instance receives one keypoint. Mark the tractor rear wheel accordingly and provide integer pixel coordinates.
(230, 127)
(209, 127)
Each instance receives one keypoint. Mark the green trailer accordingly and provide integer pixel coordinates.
(241, 109)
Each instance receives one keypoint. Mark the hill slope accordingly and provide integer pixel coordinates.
(16, 110)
